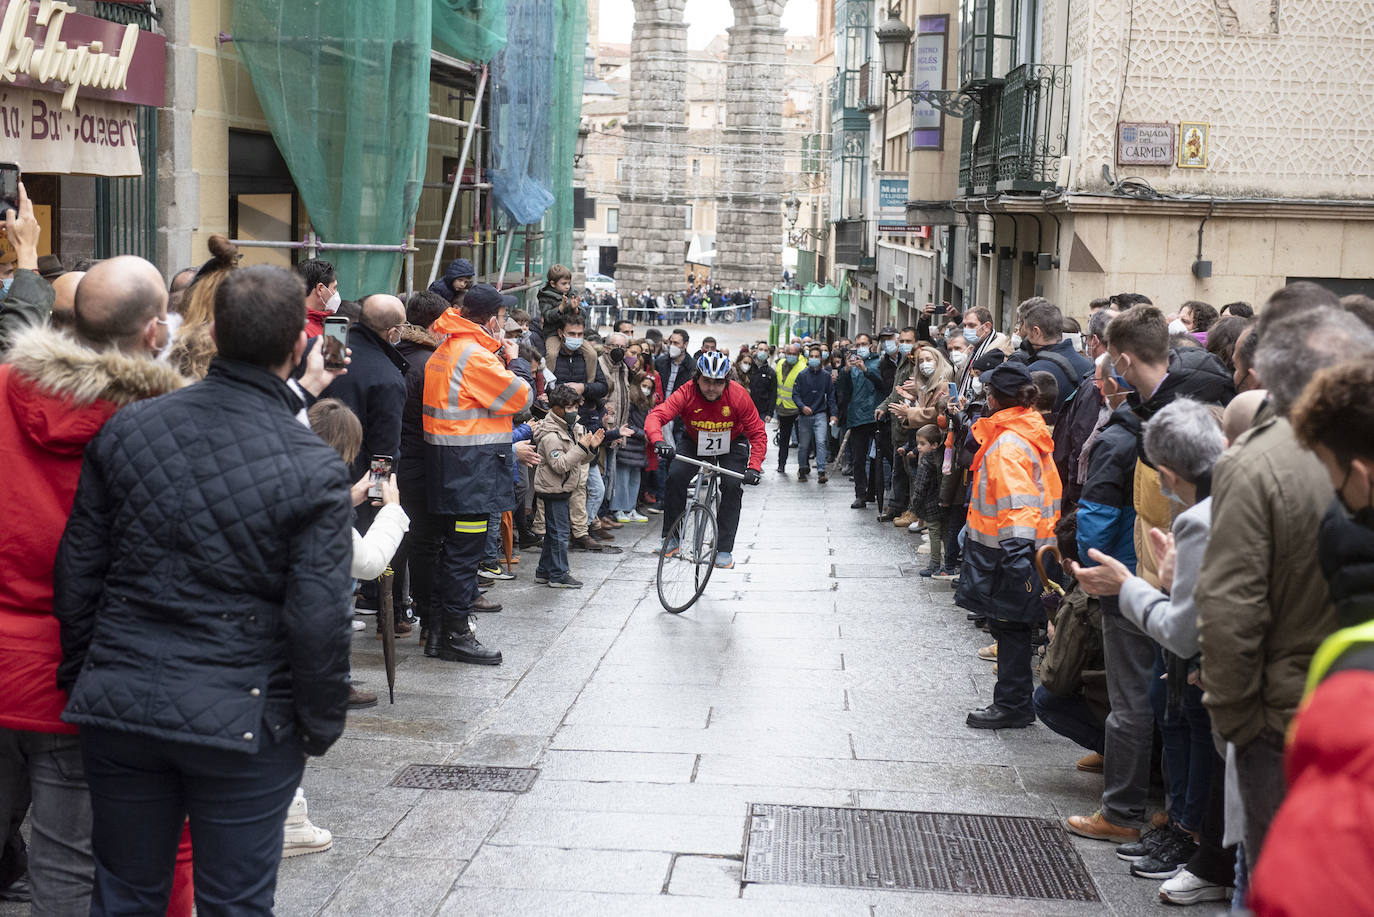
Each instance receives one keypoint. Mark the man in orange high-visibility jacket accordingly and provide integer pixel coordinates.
(1012, 511)
(469, 399)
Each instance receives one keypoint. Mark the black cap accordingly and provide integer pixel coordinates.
(888, 331)
(483, 297)
(1008, 378)
(989, 361)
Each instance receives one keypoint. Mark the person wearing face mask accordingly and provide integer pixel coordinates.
(573, 362)
(857, 394)
(1051, 352)
(762, 382)
(1328, 750)
(957, 350)
(1082, 415)
(981, 339)
(788, 370)
(815, 397)
(907, 382)
(322, 297)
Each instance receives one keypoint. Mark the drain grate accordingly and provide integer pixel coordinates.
(466, 777)
(864, 571)
(1005, 856)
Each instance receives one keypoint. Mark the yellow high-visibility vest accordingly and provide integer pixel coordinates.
(786, 379)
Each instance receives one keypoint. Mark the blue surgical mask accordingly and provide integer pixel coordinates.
(790, 358)
(889, 347)
(825, 354)
(5, 286)
(573, 343)
(861, 352)
(971, 335)
(814, 362)
(762, 354)
(906, 348)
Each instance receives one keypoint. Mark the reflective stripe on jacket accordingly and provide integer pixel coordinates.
(469, 400)
(787, 378)
(1016, 489)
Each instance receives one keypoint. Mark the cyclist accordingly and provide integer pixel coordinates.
(718, 420)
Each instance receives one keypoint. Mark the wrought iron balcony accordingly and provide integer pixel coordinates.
(1019, 134)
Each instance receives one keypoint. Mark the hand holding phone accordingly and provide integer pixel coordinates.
(378, 473)
(334, 341)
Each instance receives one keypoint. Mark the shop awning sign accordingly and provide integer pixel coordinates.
(47, 45)
(95, 137)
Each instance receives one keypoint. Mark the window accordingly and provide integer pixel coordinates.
(612, 219)
(620, 170)
(690, 213)
(696, 166)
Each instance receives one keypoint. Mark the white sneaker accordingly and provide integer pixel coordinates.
(302, 837)
(635, 516)
(622, 517)
(916, 527)
(1186, 888)
(358, 625)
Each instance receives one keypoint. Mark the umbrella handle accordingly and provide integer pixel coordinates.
(1045, 578)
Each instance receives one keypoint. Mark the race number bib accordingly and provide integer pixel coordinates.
(712, 442)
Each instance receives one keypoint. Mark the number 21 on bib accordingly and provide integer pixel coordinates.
(713, 443)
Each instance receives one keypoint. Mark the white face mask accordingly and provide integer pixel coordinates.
(959, 357)
(1016, 340)
(674, 351)
(332, 304)
(173, 325)
(976, 386)
(927, 368)
(1177, 327)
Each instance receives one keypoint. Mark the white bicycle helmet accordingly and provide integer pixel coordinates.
(713, 365)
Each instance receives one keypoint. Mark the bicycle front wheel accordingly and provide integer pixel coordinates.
(683, 574)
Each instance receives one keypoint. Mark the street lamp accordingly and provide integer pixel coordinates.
(894, 40)
(792, 208)
(583, 131)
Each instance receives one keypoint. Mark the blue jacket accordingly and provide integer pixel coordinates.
(1106, 509)
(859, 390)
(815, 390)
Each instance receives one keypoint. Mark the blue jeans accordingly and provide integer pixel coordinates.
(1070, 717)
(143, 789)
(812, 429)
(491, 554)
(553, 558)
(1187, 739)
(596, 492)
(626, 488)
(47, 768)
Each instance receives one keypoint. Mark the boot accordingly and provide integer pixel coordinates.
(458, 644)
(434, 635)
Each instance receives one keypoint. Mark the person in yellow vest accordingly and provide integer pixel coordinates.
(1013, 508)
(788, 369)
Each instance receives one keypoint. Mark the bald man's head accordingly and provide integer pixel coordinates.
(64, 305)
(119, 303)
(381, 312)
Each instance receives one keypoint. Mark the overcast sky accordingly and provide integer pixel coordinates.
(705, 19)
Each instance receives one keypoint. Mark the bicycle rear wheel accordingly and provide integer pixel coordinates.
(682, 577)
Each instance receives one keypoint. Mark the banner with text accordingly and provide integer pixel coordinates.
(94, 137)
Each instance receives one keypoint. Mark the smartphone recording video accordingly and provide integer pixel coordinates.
(9, 188)
(378, 471)
(334, 341)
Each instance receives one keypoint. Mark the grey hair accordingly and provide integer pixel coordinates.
(1097, 325)
(1292, 349)
(1185, 438)
(624, 339)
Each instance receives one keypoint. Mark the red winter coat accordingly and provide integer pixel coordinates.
(55, 395)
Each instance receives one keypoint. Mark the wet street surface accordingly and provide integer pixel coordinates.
(821, 672)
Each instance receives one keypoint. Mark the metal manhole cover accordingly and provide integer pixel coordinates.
(466, 777)
(1005, 856)
(864, 571)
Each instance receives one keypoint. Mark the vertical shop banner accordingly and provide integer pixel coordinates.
(927, 122)
(95, 137)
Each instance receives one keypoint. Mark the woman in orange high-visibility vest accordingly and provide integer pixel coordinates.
(1013, 508)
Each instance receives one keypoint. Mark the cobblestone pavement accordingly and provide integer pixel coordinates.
(813, 673)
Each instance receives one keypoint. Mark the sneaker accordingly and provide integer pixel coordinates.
(654, 510)
(1139, 850)
(541, 579)
(859, 504)
(724, 561)
(1096, 828)
(988, 653)
(301, 836)
(946, 574)
(566, 582)
(916, 528)
(1172, 854)
(531, 540)
(929, 571)
(1186, 888)
(668, 549)
(359, 625)
(634, 516)
(622, 517)
(822, 478)
(802, 473)
(494, 572)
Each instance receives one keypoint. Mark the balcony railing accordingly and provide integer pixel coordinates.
(1021, 132)
(849, 242)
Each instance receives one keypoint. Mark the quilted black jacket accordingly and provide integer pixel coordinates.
(202, 583)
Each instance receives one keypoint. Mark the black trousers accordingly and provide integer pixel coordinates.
(463, 542)
(1212, 861)
(786, 424)
(860, 438)
(143, 789)
(731, 491)
(900, 501)
(419, 551)
(954, 524)
(1015, 684)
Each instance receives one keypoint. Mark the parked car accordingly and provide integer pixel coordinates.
(600, 283)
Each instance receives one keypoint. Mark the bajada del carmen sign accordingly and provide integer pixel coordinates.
(46, 45)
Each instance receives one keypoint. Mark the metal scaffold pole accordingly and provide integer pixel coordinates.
(458, 175)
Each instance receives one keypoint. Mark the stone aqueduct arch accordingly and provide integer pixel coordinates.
(652, 197)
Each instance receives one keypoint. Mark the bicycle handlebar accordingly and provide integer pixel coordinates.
(708, 465)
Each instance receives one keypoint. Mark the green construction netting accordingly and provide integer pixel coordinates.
(823, 301)
(569, 66)
(471, 30)
(344, 85)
